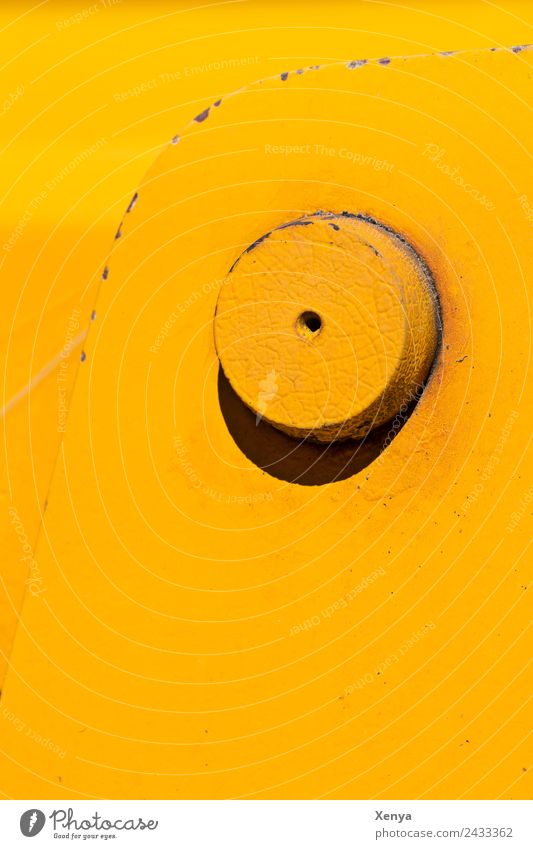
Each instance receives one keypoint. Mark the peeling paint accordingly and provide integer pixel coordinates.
(202, 116)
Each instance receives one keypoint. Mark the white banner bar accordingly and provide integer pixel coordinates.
(269, 824)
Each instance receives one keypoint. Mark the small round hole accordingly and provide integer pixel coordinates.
(309, 324)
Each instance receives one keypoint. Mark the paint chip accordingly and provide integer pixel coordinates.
(284, 75)
(83, 356)
(257, 242)
(298, 223)
(202, 116)
(132, 202)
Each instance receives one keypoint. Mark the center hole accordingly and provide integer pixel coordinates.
(309, 323)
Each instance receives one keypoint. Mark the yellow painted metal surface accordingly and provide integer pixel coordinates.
(193, 626)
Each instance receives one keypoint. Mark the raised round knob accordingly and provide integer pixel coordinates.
(327, 326)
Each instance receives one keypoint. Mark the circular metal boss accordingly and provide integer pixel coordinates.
(327, 325)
